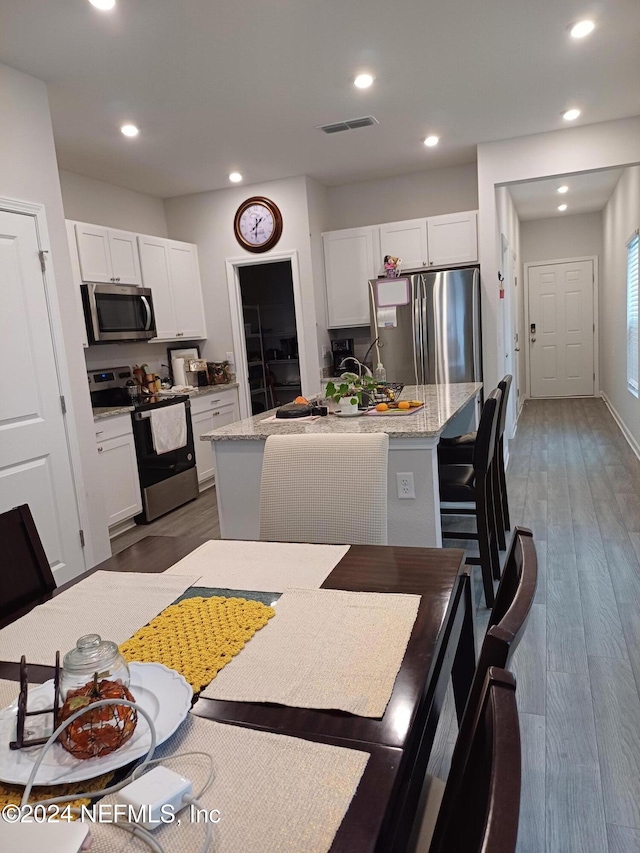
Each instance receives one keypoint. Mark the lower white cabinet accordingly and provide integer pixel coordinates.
(118, 468)
(210, 412)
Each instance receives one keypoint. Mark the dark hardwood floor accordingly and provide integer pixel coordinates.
(575, 481)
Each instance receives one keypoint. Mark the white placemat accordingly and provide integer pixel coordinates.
(112, 604)
(8, 692)
(275, 794)
(325, 648)
(268, 566)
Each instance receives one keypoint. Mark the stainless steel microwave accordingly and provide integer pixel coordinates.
(118, 312)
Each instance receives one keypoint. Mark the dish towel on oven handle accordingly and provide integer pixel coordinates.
(169, 428)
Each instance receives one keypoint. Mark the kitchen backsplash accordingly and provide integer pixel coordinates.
(130, 353)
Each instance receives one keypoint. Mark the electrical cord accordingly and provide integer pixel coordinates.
(135, 830)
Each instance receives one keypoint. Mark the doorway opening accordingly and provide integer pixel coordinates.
(271, 335)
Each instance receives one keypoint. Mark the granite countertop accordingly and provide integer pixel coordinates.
(442, 402)
(101, 412)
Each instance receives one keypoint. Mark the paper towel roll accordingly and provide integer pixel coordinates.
(179, 376)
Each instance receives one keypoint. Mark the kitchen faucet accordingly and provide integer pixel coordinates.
(361, 366)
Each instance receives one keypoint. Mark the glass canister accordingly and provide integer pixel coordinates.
(92, 655)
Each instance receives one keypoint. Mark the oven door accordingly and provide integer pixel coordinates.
(153, 468)
(118, 312)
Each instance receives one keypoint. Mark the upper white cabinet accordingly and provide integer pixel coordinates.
(405, 240)
(170, 269)
(453, 239)
(107, 255)
(354, 255)
(349, 262)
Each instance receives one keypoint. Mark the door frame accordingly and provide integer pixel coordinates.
(596, 319)
(237, 320)
(38, 213)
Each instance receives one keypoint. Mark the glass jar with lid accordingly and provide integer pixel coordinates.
(92, 655)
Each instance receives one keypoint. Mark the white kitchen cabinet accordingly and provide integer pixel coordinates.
(187, 289)
(453, 239)
(118, 467)
(170, 269)
(77, 280)
(209, 412)
(405, 240)
(349, 262)
(107, 255)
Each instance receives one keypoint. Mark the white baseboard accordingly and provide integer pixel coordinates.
(633, 444)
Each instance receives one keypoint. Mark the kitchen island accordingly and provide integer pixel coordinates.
(413, 441)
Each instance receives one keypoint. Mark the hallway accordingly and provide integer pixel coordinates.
(575, 481)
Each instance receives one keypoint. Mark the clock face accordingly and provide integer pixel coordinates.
(258, 224)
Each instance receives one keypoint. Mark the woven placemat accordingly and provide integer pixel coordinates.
(112, 604)
(271, 566)
(275, 794)
(327, 649)
(198, 636)
(8, 692)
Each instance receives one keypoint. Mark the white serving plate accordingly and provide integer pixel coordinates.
(162, 692)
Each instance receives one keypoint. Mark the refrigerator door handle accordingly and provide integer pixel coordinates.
(425, 329)
(415, 327)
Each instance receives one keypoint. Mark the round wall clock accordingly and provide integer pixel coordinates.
(258, 224)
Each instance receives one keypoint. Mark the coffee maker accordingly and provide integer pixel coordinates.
(340, 350)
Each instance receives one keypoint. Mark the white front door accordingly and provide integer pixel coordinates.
(35, 467)
(561, 331)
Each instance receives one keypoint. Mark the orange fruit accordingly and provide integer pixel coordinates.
(302, 400)
(404, 405)
(382, 407)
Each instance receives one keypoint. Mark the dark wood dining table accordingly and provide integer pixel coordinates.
(441, 646)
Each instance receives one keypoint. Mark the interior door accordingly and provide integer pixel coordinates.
(35, 467)
(561, 330)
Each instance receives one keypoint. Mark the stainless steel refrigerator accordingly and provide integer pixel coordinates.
(428, 326)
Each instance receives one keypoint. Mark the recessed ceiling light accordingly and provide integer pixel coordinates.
(103, 5)
(563, 189)
(430, 141)
(582, 29)
(363, 81)
(129, 130)
(562, 207)
(571, 115)
(235, 177)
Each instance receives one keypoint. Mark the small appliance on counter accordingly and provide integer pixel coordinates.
(300, 410)
(169, 479)
(340, 350)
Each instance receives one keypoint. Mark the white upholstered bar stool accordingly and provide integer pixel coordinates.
(328, 489)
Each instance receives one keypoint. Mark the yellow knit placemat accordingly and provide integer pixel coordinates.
(198, 636)
(12, 794)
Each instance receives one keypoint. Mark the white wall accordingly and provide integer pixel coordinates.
(319, 218)
(207, 219)
(561, 237)
(29, 172)
(105, 204)
(508, 224)
(426, 193)
(621, 219)
(561, 152)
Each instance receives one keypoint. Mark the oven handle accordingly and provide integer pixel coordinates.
(142, 416)
(145, 302)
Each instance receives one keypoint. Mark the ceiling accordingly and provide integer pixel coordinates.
(588, 192)
(220, 86)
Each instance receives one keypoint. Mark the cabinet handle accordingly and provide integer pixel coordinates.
(215, 414)
(99, 432)
(100, 449)
(118, 279)
(179, 334)
(424, 263)
(112, 278)
(213, 402)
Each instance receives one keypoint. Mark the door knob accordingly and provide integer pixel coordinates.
(516, 349)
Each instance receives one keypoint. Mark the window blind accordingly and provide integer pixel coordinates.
(633, 354)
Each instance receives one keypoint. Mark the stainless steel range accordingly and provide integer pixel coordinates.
(167, 479)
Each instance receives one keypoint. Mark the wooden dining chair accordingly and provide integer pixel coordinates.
(329, 489)
(479, 806)
(458, 450)
(472, 485)
(25, 574)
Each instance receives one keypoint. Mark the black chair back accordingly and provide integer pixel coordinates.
(505, 386)
(25, 574)
(486, 437)
(481, 803)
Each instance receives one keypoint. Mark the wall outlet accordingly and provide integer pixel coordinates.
(230, 358)
(406, 489)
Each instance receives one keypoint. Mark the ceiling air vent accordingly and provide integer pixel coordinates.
(351, 124)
